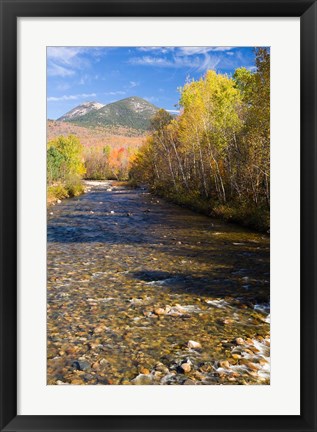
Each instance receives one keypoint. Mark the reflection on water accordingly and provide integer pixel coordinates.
(141, 291)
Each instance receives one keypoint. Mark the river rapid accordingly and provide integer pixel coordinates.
(141, 291)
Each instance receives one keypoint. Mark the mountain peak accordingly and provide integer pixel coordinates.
(81, 110)
(131, 112)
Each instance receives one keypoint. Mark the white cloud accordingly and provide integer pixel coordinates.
(252, 68)
(200, 50)
(209, 62)
(184, 51)
(198, 62)
(66, 61)
(161, 50)
(57, 70)
(150, 61)
(114, 93)
(196, 58)
(64, 54)
(173, 111)
(177, 62)
(151, 98)
(222, 48)
(70, 97)
(134, 84)
(83, 79)
(63, 86)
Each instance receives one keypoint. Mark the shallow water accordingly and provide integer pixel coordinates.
(132, 279)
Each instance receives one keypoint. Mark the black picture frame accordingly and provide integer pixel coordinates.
(10, 11)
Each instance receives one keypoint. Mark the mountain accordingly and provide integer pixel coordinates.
(81, 110)
(133, 112)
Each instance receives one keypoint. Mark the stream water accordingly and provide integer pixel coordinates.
(141, 291)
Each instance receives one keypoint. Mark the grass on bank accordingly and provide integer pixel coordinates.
(61, 191)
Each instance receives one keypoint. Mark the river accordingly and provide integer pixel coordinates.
(141, 291)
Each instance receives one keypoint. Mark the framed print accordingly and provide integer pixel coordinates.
(158, 215)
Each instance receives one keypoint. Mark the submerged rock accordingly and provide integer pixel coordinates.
(194, 345)
(161, 368)
(81, 365)
(189, 382)
(186, 367)
(159, 311)
(142, 379)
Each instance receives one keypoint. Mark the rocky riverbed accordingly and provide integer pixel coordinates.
(141, 291)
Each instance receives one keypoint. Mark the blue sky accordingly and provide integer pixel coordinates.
(81, 74)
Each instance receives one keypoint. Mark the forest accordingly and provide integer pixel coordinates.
(68, 162)
(215, 156)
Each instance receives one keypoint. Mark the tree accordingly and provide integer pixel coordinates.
(254, 141)
(218, 148)
(55, 161)
(210, 120)
(66, 153)
(160, 119)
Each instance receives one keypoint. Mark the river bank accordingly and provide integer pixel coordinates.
(60, 191)
(141, 291)
(256, 218)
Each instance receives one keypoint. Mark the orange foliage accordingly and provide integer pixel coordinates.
(123, 144)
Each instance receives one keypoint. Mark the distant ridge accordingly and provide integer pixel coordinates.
(133, 112)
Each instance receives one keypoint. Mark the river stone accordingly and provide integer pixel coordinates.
(102, 380)
(253, 366)
(81, 365)
(96, 365)
(189, 382)
(77, 381)
(142, 379)
(162, 368)
(159, 311)
(206, 367)
(199, 375)
(194, 345)
(186, 367)
(224, 364)
(236, 356)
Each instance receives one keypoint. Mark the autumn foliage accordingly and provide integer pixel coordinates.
(108, 162)
(107, 152)
(216, 155)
